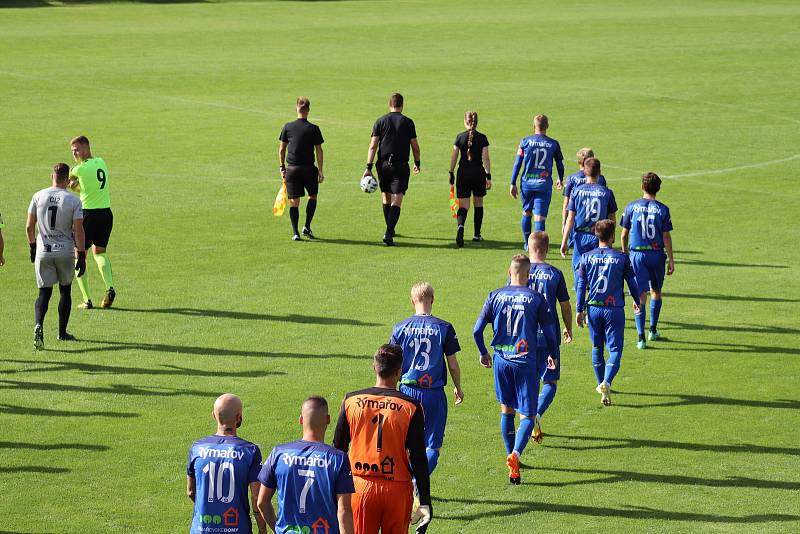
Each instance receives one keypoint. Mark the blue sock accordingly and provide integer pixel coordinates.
(507, 430)
(433, 459)
(539, 225)
(639, 319)
(526, 229)
(599, 363)
(546, 397)
(612, 367)
(655, 310)
(523, 434)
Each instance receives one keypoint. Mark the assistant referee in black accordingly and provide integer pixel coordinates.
(392, 135)
(300, 140)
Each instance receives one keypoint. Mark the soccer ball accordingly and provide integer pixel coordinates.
(368, 184)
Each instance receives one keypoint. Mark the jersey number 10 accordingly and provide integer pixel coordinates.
(215, 480)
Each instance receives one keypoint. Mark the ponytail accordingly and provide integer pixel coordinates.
(471, 122)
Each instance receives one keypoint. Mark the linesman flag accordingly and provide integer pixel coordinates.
(453, 203)
(280, 201)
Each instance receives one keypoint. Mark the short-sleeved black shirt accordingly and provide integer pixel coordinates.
(301, 137)
(395, 132)
(479, 141)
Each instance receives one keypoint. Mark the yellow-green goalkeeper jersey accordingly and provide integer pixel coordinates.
(92, 176)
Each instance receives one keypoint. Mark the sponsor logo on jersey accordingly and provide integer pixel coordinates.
(230, 454)
(420, 331)
(646, 208)
(594, 260)
(306, 461)
(365, 402)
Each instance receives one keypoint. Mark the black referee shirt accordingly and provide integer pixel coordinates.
(301, 137)
(479, 141)
(395, 132)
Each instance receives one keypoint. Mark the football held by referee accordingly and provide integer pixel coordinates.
(300, 141)
(392, 136)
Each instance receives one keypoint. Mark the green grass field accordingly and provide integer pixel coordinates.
(185, 101)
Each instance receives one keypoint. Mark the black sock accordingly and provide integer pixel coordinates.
(386, 210)
(294, 216)
(641, 337)
(477, 218)
(64, 308)
(311, 207)
(394, 216)
(40, 307)
(461, 216)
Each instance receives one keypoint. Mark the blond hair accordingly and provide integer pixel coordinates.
(422, 292)
(584, 154)
(303, 103)
(471, 121)
(521, 263)
(541, 122)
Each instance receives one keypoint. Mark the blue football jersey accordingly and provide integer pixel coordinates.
(591, 203)
(603, 271)
(549, 281)
(574, 180)
(647, 220)
(308, 476)
(223, 468)
(516, 314)
(539, 152)
(426, 340)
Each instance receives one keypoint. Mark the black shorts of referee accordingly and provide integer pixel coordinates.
(97, 226)
(393, 176)
(301, 179)
(470, 181)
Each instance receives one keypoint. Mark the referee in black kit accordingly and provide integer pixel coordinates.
(392, 135)
(299, 141)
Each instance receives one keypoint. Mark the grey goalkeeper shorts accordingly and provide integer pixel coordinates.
(54, 270)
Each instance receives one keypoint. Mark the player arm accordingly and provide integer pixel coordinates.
(516, 168)
(568, 224)
(2, 247)
(264, 506)
(415, 443)
(320, 158)
(477, 335)
(345, 513)
(559, 157)
(453, 159)
(191, 487)
(373, 148)
(623, 237)
(255, 492)
(282, 158)
(667, 247)
(580, 289)
(566, 317)
(341, 436)
(564, 213)
(487, 162)
(630, 279)
(30, 228)
(415, 152)
(455, 374)
(77, 231)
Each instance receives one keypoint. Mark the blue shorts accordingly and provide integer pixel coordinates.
(583, 242)
(516, 384)
(607, 327)
(548, 375)
(434, 406)
(650, 268)
(536, 200)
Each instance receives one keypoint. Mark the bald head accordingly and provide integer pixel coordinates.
(228, 411)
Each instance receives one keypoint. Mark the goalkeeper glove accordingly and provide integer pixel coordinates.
(425, 518)
(80, 265)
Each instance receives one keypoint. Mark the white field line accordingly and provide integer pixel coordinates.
(189, 101)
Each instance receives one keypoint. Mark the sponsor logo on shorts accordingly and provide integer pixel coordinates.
(320, 526)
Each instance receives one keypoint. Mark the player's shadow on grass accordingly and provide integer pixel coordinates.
(753, 328)
(504, 509)
(39, 469)
(707, 263)
(113, 389)
(613, 477)
(402, 243)
(114, 346)
(52, 446)
(166, 369)
(597, 443)
(52, 3)
(737, 348)
(11, 409)
(710, 296)
(694, 400)
(250, 316)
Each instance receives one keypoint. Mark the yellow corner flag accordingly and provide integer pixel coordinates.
(280, 201)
